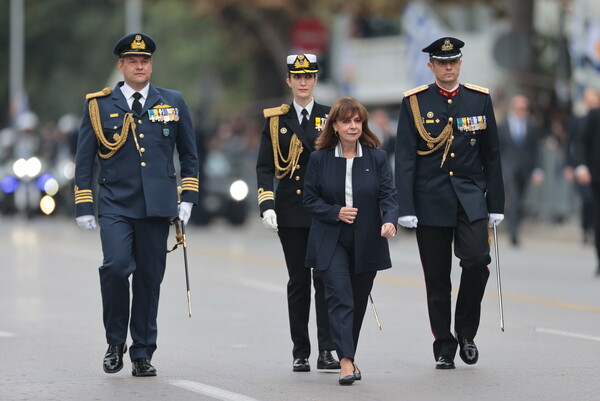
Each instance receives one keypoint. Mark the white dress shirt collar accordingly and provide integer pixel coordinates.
(299, 108)
(128, 92)
(339, 153)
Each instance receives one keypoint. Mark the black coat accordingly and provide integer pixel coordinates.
(373, 194)
(287, 201)
(471, 174)
(589, 146)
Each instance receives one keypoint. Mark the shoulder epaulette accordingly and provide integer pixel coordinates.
(415, 90)
(478, 88)
(276, 111)
(103, 92)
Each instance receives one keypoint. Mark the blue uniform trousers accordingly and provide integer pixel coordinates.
(346, 293)
(132, 247)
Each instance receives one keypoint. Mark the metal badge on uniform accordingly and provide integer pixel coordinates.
(165, 132)
(473, 141)
(430, 114)
(283, 130)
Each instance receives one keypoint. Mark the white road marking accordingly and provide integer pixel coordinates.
(567, 334)
(280, 289)
(214, 392)
(6, 334)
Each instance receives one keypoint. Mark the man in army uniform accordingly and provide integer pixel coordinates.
(450, 187)
(287, 139)
(134, 129)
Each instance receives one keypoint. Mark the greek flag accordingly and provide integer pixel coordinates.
(420, 28)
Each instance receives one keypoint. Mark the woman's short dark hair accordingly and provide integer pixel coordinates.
(346, 107)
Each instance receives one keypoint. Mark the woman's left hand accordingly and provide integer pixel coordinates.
(388, 230)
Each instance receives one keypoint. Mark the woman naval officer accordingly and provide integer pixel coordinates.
(348, 190)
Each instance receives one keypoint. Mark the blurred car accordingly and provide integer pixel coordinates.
(223, 190)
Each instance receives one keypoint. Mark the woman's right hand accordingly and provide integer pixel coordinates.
(347, 214)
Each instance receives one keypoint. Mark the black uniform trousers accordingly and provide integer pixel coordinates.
(346, 293)
(472, 248)
(294, 241)
(132, 247)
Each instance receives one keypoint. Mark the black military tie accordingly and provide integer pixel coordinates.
(136, 106)
(304, 122)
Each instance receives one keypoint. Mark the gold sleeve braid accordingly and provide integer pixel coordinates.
(190, 184)
(113, 147)
(284, 166)
(83, 195)
(433, 143)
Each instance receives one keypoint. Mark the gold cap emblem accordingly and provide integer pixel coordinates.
(138, 43)
(301, 62)
(447, 46)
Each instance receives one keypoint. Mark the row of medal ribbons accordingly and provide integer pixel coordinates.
(163, 114)
(474, 123)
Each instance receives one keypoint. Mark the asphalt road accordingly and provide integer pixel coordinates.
(236, 346)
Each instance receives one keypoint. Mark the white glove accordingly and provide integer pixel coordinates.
(408, 221)
(495, 218)
(185, 211)
(269, 219)
(87, 222)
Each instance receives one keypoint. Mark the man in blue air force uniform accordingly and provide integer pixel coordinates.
(450, 187)
(134, 130)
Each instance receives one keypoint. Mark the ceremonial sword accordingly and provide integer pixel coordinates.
(375, 312)
(181, 240)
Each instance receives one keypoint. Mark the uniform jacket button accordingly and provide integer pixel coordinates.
(451, 173)
(143, 164)
(298, 191)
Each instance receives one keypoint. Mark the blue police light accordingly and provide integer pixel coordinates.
(42, 180)
(9, 184)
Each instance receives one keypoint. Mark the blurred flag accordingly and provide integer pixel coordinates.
(592, 47)
(420, 27)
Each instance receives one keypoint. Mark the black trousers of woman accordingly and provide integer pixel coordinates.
(472, 248)
(293, 242)
(346, 293)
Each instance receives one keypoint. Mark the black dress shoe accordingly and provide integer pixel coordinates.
(346, 380)
(301, 365)
(327, 361)
(113, 359)
(357, 374)
(468, 351)
(142, 367)
(444, 362)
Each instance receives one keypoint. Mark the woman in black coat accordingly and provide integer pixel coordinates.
(348, 189)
